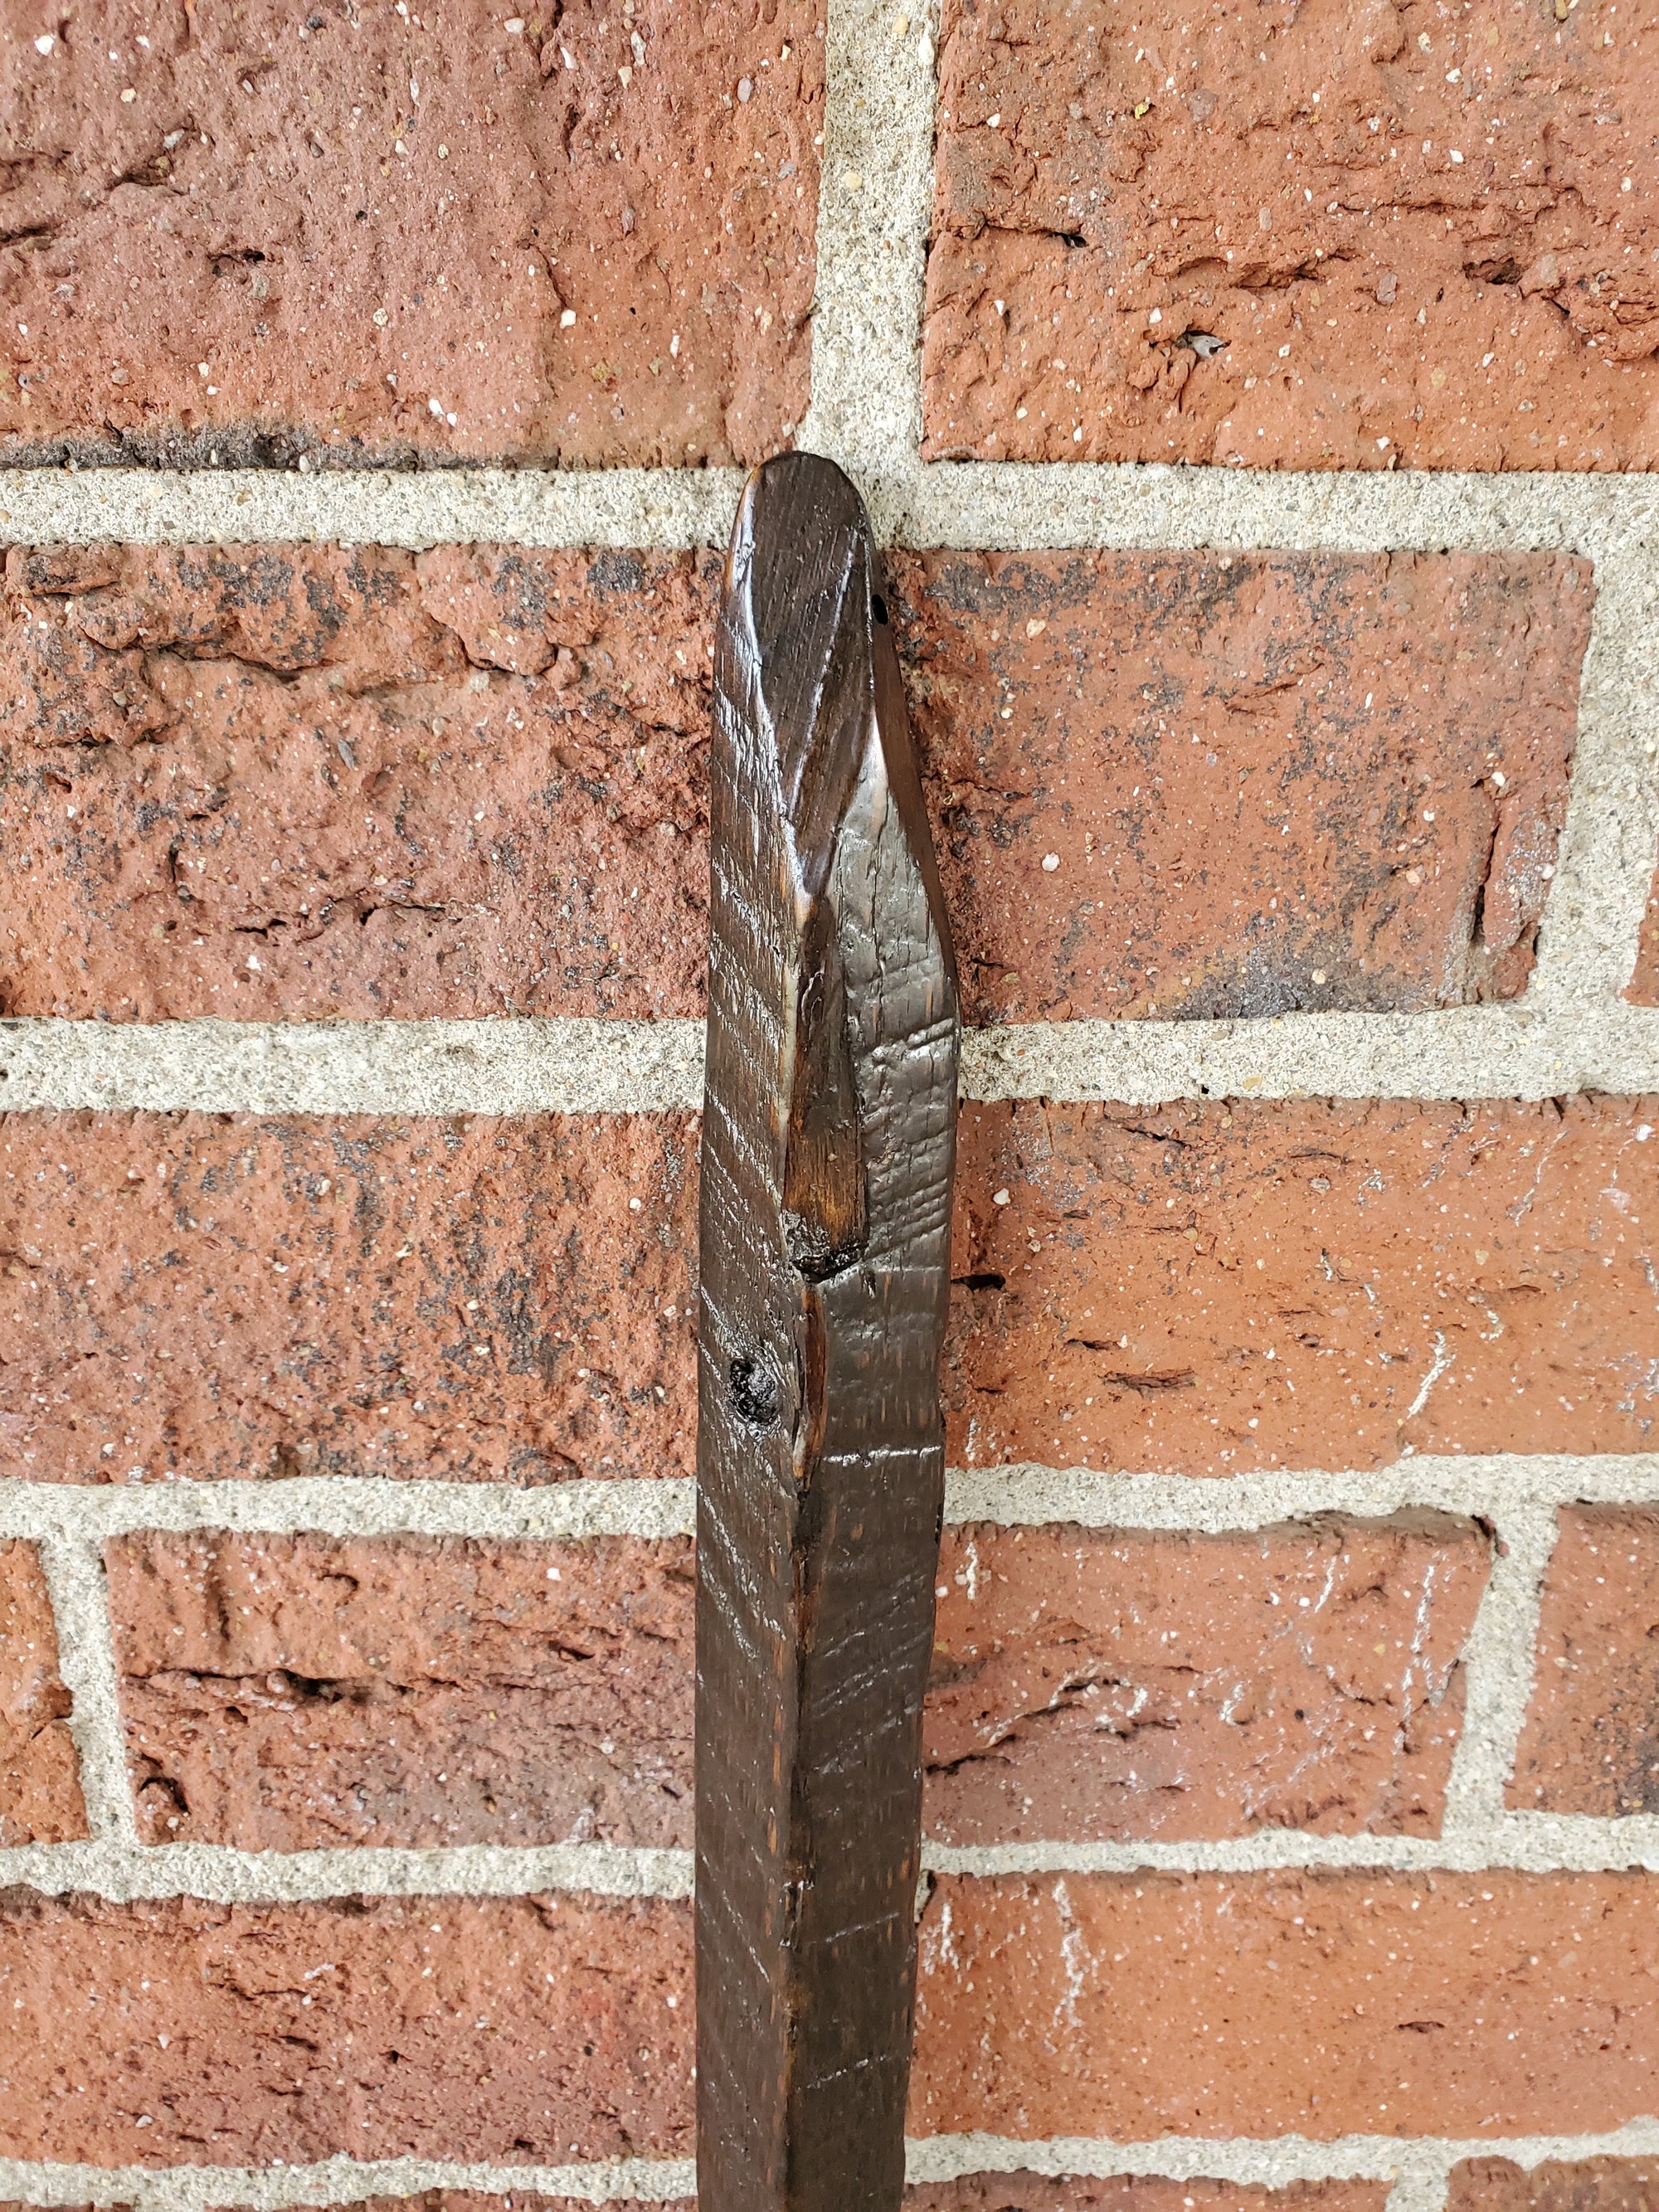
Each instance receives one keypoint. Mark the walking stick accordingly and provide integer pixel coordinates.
(828, 1149)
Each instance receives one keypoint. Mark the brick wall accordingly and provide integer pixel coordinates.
(374, 384)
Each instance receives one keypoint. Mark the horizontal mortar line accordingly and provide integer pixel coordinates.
(336, 2181)
(583, 1065)
(354, 1505)
(1526, 1843)
(1512, 1843)
(415, 508)
(227, 1876)
(1272, 2160)
(1496, 1485)
(1016, 505)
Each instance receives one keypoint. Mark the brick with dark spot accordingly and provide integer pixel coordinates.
(1352, 233)
(1209, 1287)
(242, 233)
(1103, 1684)
(474, 1299)
(1240, 784)
(511, 2030)
(39, 1773)
(292, 1693)
(1591, 1740)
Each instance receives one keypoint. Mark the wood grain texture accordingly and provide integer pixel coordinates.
(828, 1142)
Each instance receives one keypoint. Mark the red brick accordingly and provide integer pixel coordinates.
(288, 1692)
(1320, 2004)
(306, 782)
(474, 1299)
(1591, 2185)
(1591, 1740)
(40, 1774)
(1422, 239)
(1425, 1277)
(267, 782)
(1265, 781)
(1644, 986)
(1138, 2193)
(505, 2029)
(368, 269)
(1097, 1685)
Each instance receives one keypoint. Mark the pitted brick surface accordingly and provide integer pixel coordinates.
(1207, 1287)
(1591, 1739)
(475, 1300)
(1103, 1685)
(517, 2030)
(236, 232)
(39, 1773)
(1590, 2184)
(1237, 785)
(1316, 2004)
(1138, 2193)
(1422, 236)
(287, 1692)
(269, 782)
(289, 781)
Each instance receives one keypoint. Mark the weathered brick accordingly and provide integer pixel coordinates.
(1422, 238)
(1137, 2192)
(245, 232)
(276, 782)
(285, 1692)
(288, 1692)
(1644, 986)
(498, 1297)
(1319, 2004)
(1209, 1287)
(475, 1299)
(267, 782)
(1590, 2184)
(508, 2029)
(1591, 1740)
(40, 1774)
(1237, 784)
(1089, 1684)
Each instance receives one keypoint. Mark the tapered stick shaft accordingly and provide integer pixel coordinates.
(828, 1149)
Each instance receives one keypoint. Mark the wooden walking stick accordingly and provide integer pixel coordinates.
(828, 1149)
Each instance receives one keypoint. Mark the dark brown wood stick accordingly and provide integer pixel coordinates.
(828, 1149)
